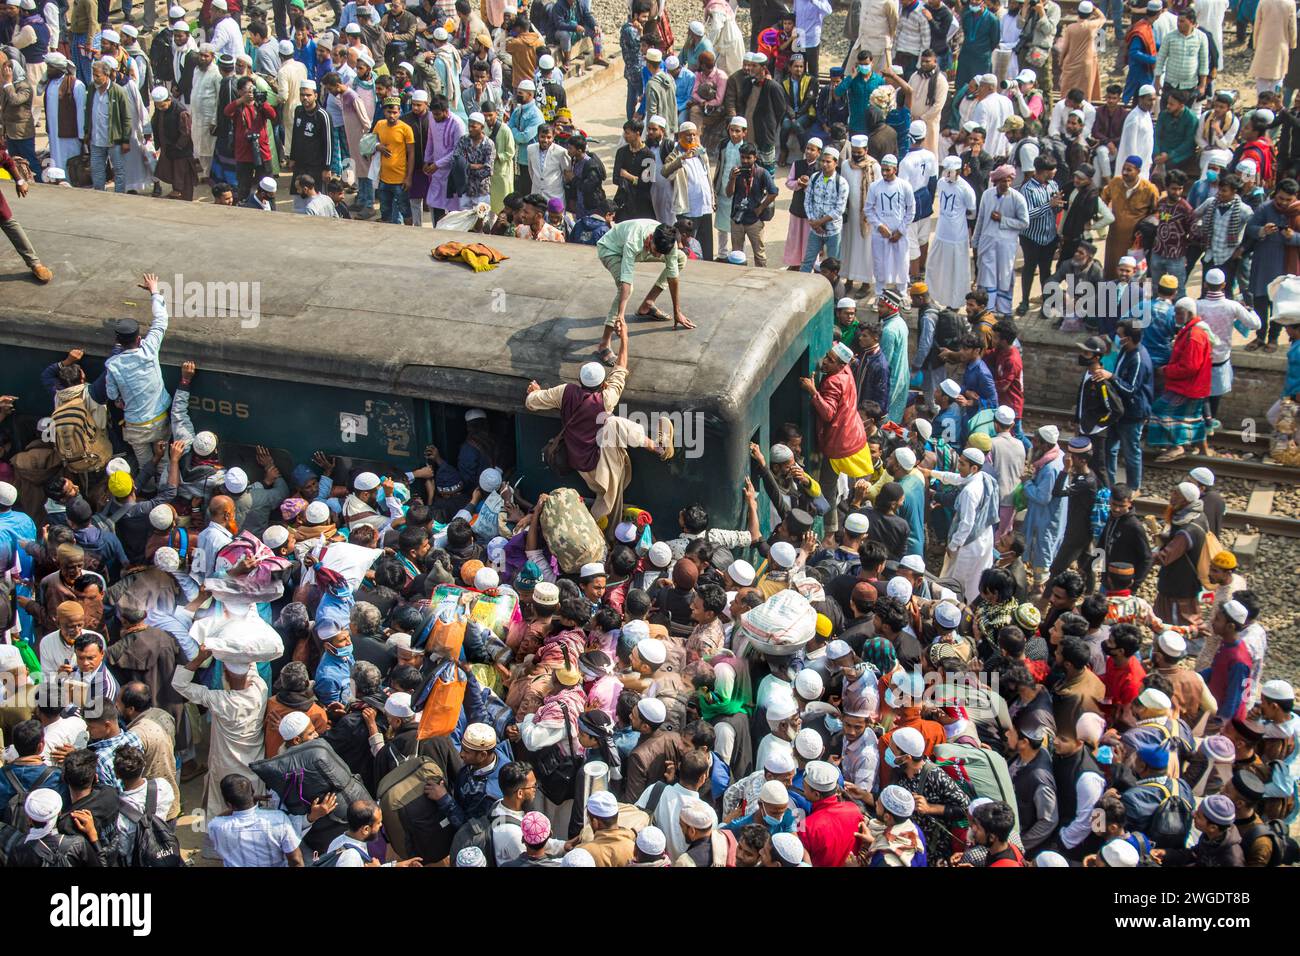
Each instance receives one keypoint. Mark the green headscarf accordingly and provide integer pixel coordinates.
(724, 700)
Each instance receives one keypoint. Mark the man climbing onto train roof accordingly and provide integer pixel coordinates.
(619, 250)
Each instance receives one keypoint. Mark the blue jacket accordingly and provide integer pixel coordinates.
(1045, 516)
(334, 677)
(27, 775)
(473, 794)
(1134, 379)
(912, 508)
(1158, 339)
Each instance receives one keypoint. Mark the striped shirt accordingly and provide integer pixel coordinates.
(913, 35)
(253, 837)
(826, 196)
(1042, 217)
(1183, 59)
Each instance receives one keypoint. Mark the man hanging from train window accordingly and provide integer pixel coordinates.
(596, 440)
(841, 436)
(630, 242)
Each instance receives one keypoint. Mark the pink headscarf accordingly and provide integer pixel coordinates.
(1005, 171)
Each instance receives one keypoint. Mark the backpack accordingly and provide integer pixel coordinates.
(332, 857)
(949, 328)
(476, 831)
(1286, 852)
(571, 533)
(413, 826)
(1171, 820)
(75, 436)
(300, 774)
(156, 845)
(15, 813)
(557, 772)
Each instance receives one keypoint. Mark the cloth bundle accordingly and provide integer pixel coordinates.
(476, 255)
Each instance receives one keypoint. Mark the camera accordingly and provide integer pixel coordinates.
(259, 97)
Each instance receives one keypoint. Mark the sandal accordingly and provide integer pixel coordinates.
(656, 314)
(1254, 345)
(1172, 455)
(665, 437)
(606, 356)
(1270, 347)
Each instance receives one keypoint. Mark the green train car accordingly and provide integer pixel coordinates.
(350, 338)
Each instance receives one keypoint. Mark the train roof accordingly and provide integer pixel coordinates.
(363, 305)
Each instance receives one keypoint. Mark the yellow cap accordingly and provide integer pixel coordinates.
(823, 626)
(981, 441)
(120, 484)
(1168, 281)
(918, 288)
(1225, 560)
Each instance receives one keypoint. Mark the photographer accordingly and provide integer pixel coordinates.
(251, 115)
(752, 193)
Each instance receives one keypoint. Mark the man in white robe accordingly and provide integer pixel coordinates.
(1139, 135)
(61, 79)
(181, 46)
(663, 192)
(947, 270)
(225, 35)
(721, 30)
(891, 205)
(1003, 215)
(877, 24)
(205, 92)
(288, 83)
(860, 172)
(970, 539)
(991, 110)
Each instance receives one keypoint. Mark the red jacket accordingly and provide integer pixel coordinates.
(1122, 687)
(839, 429)
(829, 831)
(1190, 362)
(1007, 369)
(252, 118)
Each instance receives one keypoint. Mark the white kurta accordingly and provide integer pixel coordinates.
(235, 738)
(1137, 139)
(288, 84)
(1209, 17)
(892, 205)
(947, 270)
(721, 30)
(997, 242)
(991, 112)
(205, 91)
(975, 556)
(179, 53)
(136, 165)
(63, 149)
(855, 238)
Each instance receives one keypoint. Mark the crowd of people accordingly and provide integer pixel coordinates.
(939, 654)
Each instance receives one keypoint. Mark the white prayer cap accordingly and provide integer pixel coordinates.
(698, 814)
(353, 29)
(742, 572)
(592, 569)
(1266, 116)
(758, 58)
(365, 56)
(318, 512)
(275, 536)
(109, 62)
(918, 129)
(366, 481)
(110, 36)
(625, 532)
(739, 122)
(821, 776)
(913, 562)
(286, 47)
(1187, 304)
(205, 443)
(652, 650)
(946, 614)
(923, 428)
(243, 58)
(485, 579)
(1215, 277)
(651, 841)
(1119, 852)
(952, 162)
(1154, 699)
(167, 559)
(1202, 475)
(480, 737)
(909, 741)
(56, 58)
(1078, 114)
(838, 649)
(115, 465)
(490, 479)
(780, 707)
(1085, 8)
(267, 184)
(602, 804)
(654, 55)
(988, 79)
(900, 589)
(672, 63)
(1005, 415)
(889, 159)
(236, 481)
(973, 455)
(789, 848)
(652, 709)
(657, 120)
(476, 117)
(783, 554)
(859, 141)
(774, 792)
(406, 66)
(175, 11)
(159, 94)
(898, 801)
(696, 27)
(577, 856)
(1051, 858)
(970, 126)
(1212, 157)
(950, 388)
(842, 352)
(848, 302)
(220, 5)
(1146, 89)
(1189, 491)
(294, 724)
(808, 744)
(470, 857)
(43, 805)
(830, 151)
(161, 517)
(546, 62)
(1172, 644)
(1128, 261)
(399, 705)
(1089, 728)
(809, 684)
(592, 374)
(781, 454)
(1236, 611)
(812, 140)
(399, 640)
(1278, 690)
(203, 47)
(128, 29)
(8, 494)
(857, 523)
(660, 554)
(419, 96)
(439, 33)
(1050, 434)
(780, 760)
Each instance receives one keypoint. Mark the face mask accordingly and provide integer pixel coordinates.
(1211, 175)
(343, 651)
(1105, 755)
(864, 69)
(997, 555)
(890, 758)
(771, 821)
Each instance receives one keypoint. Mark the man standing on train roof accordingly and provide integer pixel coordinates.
(619, 250)
(841, 436)
(595, 439)
(12, 228)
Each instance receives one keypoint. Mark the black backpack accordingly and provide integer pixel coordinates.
(476, 831)
(949, 328)
(1171, 820)
(557, 772)
(1286, 852)
(156, 844)
(332, 857)
(16, 813)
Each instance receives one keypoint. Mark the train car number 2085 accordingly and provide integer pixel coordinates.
(219, 406)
